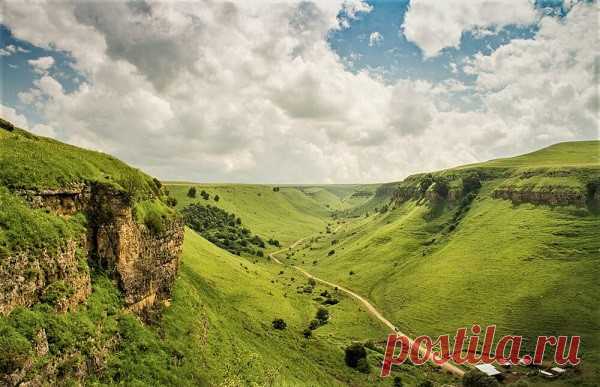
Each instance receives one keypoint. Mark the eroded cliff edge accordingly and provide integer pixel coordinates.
(61, 222)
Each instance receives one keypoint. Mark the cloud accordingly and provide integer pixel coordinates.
(42, 64)
(12, 49)
(13, 116)
(434, 25)
(375, 39)
(251, 91)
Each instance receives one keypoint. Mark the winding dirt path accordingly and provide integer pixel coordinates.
(370, 308)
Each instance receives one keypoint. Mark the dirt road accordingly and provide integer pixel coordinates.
(370, 308)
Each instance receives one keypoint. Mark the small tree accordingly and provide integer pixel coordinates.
(204, 195)
(191, 192)
(313, 324)
(216, 198)
(354, 353)
(279, 324)
(322, 315)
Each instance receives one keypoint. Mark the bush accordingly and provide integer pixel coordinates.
(14, 350)
(57, 291)
(314, 324)
(441, 186)
(331, 252)
(426, 383)
(216, 198)
(171, 202)
(363, 366)
(204, 195)
(279, 324)
(398, 381)
(471, 183)
(322, 315)
(475, 378)
(191, 192)
(307, 333)
(312, 282)
(275, 189)
(354, 353)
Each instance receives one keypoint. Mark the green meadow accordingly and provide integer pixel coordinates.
(430, 254)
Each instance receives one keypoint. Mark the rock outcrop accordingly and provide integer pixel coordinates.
(58, 275)
(143, 261)
(552, 198)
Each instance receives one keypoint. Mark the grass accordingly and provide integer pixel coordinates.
(286, 215)
(33, 162)
(529, 269)
(23, 229)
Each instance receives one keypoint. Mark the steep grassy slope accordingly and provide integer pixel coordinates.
(566, 154)
(286, 215)
(436, 265)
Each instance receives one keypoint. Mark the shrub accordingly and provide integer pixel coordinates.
(191, 192)
(171, 202)
(331, 301)
(471, 183)
(322, 315)
(363, 366)
(313, 324)
(14, 349)
(279, 324)
(307, 333)
(274, 242)
(312, 282)
(204, 195)
(275, 189)
(216, 198)
(398, 381)
(154, 222)
(354, 353)
(475, 378)
(57, 291)
(441, 186)
(426, 383)
(331, 252)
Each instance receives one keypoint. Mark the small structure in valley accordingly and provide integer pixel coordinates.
(488, 369)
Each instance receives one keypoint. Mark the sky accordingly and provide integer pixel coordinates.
(325, 91)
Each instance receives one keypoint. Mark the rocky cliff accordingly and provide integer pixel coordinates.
(143, 261)
(88, 202)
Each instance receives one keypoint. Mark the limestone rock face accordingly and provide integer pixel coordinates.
(143, 261)
(25, 278)
(554, 198)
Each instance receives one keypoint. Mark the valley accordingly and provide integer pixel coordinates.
(114, 285)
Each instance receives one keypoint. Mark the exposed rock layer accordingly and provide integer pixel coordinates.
(144, 262)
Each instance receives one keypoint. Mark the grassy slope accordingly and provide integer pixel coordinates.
(221, 315)
(28, 161)
(286, 215)
(565, 154)
(529, 269)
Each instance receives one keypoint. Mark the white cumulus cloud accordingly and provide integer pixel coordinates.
(434, 25)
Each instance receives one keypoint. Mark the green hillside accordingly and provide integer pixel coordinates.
(532, 269)
(565, 154)
(286, 215)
